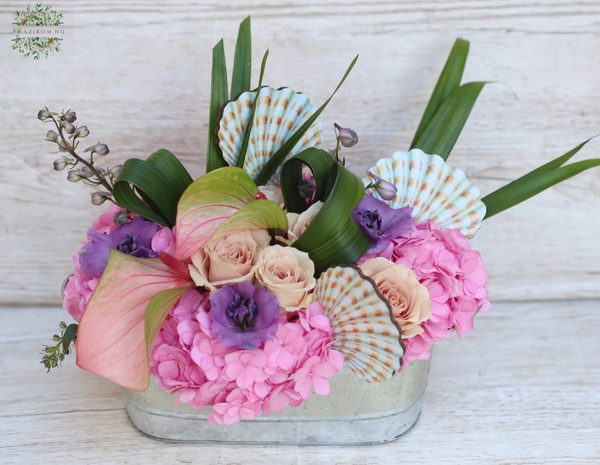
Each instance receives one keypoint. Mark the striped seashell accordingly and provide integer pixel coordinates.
(279, 113)
(434, 189)
(364, 330)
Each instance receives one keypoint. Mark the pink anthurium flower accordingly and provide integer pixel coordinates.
(118, 326)
(110, 339)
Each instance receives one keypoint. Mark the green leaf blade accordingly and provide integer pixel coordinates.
(156, 313)
(333, 237)
(218, 97)
(448, 81)
(69, 336)
(279, 157)
(528, 186)
(244, 148)
(172, 169)
(159, 194)
(242, 64)
(442, 132)
(319, 162)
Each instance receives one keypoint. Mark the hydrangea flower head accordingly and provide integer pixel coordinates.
(442, 260)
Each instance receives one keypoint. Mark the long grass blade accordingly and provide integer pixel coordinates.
(535, 182)
(218, 97)
(242, 64)
(333, 237)
(278, 157)
(319, 162)
(247, 129)
(443, 130)
(448, 81)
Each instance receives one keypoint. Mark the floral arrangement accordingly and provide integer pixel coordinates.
(249, 288)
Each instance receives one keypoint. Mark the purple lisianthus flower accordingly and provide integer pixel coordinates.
(132, 238)
(244, 316)
(381, 223)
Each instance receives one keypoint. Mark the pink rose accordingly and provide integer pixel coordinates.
(408, 298)
(288, 274)
(230, 259)
(297, 223)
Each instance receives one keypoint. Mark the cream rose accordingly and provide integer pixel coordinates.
(297, 223)
(230, 259)
(288, 274)
(408, 298)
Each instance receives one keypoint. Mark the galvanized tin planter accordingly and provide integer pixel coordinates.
(355, 412)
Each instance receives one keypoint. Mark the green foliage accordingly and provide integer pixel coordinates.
(242, 64)
(246, 140)
(54, 355)
(278, 157)
(218, 97)
(152, 188)
(156, 312)
(449, 106)
(240, 82)
(319, 162)
(537, 181)
(333, 237)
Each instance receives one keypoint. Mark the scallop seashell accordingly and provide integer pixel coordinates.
(364, 330)
(434, 189)
(279, 113)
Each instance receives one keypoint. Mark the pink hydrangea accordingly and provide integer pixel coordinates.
(239, 383)
(78, 289)
(105, 222)
(443, 260)
(80, 286)
(164, 241)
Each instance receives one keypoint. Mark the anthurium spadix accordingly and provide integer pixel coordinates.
(120, 323)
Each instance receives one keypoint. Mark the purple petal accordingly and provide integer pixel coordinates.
(244, 316)
(93, 256)
(380, 222)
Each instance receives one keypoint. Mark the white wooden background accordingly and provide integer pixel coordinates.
(138, 74)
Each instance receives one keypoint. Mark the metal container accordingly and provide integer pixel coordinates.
(355, 412)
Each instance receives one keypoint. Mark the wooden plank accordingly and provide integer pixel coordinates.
(521, 389)
(138, 75)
